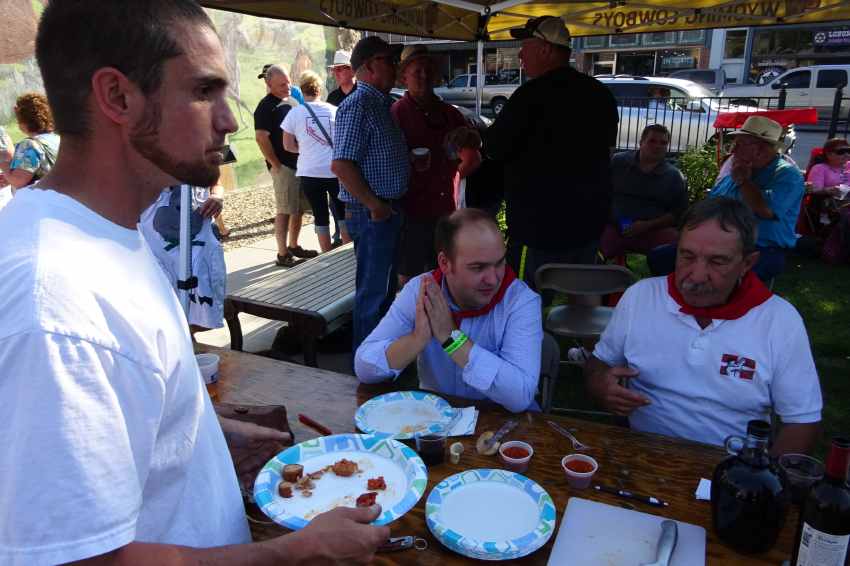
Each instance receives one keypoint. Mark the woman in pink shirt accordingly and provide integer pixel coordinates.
(828, 174)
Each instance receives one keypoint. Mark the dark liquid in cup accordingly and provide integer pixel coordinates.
(432, 449)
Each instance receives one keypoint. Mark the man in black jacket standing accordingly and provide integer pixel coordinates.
(554, 138)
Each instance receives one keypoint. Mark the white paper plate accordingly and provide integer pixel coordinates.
(402, 414)
(403, 471)
(490, 514)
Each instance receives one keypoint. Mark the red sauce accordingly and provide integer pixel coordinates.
(515, 452)
(580, 466)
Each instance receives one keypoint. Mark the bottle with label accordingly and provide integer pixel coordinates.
(824, 532)
(749, 493)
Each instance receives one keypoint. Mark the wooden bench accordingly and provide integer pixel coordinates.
(314, 298)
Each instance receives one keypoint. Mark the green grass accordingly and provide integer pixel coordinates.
(821, 293)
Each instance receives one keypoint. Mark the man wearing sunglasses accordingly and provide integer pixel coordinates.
(370, 159)
(770, 185)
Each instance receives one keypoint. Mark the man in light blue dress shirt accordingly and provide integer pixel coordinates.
(475, 330)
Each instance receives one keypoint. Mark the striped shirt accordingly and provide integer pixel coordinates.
(366, 134)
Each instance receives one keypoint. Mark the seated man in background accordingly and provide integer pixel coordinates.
(475, 329)
(709, 347)
(772, 187)
(649, 197)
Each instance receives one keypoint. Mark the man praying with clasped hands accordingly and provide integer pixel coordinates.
(473, 327)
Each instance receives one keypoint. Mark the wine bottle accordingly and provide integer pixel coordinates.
(749, 497)
(824, 531)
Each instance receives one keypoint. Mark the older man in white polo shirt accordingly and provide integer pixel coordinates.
(702, 351)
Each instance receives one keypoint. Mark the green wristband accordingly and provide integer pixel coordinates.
(454, 346)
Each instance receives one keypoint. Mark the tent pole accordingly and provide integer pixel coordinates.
(479, 70)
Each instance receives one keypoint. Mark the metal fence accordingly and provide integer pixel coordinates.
(689, 120)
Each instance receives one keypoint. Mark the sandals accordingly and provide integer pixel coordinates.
(287, 260)
(300, 252)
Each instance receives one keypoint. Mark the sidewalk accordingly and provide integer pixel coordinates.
(250, 264)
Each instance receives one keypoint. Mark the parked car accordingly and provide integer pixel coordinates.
(805, 86)
(462, 91)
(712, 79)
(688, 111)
(481, 123)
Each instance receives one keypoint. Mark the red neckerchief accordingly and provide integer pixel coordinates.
(509, 278)
(748, 295)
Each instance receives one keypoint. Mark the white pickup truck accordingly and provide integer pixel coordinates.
(805, 86)
(461, 91)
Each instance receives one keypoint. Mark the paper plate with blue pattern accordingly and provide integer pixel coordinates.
(402, 469)
(490, 514)
(402, 414)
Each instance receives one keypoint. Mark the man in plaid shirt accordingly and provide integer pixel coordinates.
(371, 162)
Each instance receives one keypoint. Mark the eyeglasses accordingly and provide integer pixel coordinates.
(841, 151)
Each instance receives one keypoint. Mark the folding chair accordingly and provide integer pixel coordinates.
(581, 322)
(578, 321)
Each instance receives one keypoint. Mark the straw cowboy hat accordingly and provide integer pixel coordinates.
(341, 59)
(410, 54)
(763, 128)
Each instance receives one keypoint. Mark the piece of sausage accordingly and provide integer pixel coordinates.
(345, 468)
(376, 483)
(292, 472)
(367, 499)
(285, 489)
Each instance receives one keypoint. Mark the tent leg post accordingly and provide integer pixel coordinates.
(479, 71)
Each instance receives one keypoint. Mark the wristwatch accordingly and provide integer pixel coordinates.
(455, 335)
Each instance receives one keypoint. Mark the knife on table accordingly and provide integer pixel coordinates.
(509, 425)
(666, 544)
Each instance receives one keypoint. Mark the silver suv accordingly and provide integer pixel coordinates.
(686, 108)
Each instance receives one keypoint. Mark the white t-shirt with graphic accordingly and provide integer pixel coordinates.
(705, 384)
(315, 153)
(108, 434)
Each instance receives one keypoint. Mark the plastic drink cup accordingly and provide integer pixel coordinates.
(421, 158)
(208, 364)
(431, 446)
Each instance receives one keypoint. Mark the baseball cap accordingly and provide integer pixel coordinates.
(367, 48)
(341, 59)
(547, 28)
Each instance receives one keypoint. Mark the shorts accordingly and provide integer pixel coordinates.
(416, 252)
(288, 196)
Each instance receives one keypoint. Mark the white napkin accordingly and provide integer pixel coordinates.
(465, 425)
(844, 190)
(703, 491)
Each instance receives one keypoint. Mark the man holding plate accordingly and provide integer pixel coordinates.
(474, 328)
(112, 452)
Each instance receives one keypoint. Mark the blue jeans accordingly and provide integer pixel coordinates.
(375, 247)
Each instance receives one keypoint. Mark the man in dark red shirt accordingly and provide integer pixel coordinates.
(429, 124)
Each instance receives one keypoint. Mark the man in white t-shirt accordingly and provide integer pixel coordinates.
(112, 453)
(699, 353)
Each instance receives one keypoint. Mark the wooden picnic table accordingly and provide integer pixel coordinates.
(315, 298)
(657, 465)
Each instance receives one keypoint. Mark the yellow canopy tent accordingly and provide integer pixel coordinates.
(480, 20)
(471, 20)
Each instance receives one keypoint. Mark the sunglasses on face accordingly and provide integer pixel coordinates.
(841, 151)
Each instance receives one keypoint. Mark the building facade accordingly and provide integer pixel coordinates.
(645, 54)
(757, 55)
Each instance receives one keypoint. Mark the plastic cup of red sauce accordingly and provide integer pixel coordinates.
(516, 455)
(579, 469)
